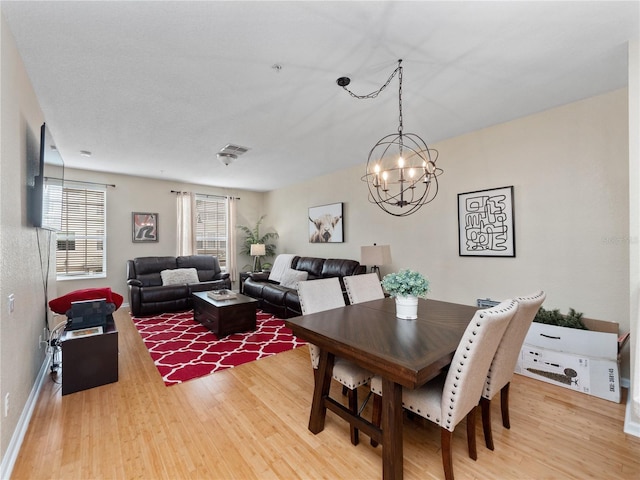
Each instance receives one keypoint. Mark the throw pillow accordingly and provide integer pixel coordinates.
(61, 304)
(179, 276)
(291, 277)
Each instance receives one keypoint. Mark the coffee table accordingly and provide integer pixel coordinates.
(224, 317)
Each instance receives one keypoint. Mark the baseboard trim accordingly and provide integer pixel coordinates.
(10, 456)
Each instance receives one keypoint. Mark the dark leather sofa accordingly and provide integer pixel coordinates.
(284, 302)
(148, 295)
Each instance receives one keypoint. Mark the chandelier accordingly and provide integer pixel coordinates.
(401, 173)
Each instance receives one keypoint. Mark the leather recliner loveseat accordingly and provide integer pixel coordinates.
(282, 299)
(165, 284)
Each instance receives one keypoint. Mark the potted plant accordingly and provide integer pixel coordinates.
(406, 286)
(253, 236)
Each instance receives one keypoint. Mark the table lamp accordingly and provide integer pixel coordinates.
(257, 250)
(375, 255)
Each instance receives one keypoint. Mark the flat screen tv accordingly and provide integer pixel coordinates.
(45, 198)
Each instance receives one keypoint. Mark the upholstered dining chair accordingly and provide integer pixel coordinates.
(325, 294)
(504, 362)
(448, 398)
(363, 288)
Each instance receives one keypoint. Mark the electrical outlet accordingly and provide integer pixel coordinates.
(11, 302)
(6, 405)
(44, 336)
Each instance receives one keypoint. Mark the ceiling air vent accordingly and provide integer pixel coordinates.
(232, 149)
(230, 152)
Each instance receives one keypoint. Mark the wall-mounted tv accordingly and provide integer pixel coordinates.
(45, 202)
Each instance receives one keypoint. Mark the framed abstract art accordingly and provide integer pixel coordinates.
(144, 227)
(486, 223)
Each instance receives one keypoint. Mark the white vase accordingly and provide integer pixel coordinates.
(407, 307)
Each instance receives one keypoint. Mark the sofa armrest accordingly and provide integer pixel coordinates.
(210, 285)
(259, 276)
(134, 283)
(222, 276)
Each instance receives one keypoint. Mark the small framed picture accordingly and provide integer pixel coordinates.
(326, 224)
(485, 223)
(144, 227)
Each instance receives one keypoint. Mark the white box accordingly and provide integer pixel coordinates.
(581, 360)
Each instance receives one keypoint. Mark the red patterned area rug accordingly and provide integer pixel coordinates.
(182, 349)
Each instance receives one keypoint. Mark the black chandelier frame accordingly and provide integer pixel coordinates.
(401, 172)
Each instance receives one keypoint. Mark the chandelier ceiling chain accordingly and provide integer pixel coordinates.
(369, 95)
(400, 125)
(401, 172)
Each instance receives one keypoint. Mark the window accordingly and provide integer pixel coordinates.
(211, 227)
(81, 244)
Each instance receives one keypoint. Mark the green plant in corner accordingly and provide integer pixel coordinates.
(253, 236)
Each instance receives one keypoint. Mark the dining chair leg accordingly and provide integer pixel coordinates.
(345, 390)
(353, 406)
(504, 405)
(447, 460)
(471, 434)
(485, 406)
(376, 415)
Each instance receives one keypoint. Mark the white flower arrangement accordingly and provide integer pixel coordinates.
(406, 283)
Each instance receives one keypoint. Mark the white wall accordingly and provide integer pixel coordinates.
(21, 272)
(137, 194)
(569, 169)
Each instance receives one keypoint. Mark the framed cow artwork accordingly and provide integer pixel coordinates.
(326, 224)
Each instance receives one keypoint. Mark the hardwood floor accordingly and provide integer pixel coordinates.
(251, 422)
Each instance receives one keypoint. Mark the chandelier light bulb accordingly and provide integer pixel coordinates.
(400, 162)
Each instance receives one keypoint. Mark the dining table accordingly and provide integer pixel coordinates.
(404, 353)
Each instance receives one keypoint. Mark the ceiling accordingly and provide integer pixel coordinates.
(155, 89)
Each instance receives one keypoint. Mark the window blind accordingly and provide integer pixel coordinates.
(211, 227)
(81, 243)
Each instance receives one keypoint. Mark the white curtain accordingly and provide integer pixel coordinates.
(186, 223)
(232, 267)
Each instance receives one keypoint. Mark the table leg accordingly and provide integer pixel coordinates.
(322, 384)
(392, 456)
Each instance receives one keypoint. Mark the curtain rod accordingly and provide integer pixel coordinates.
(82, 182)
(207, 195)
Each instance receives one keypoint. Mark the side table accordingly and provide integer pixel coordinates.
(89, 361)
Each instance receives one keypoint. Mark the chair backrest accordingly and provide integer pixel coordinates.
(468, 371)
(318, 296)
(506, 357)
(363, 288)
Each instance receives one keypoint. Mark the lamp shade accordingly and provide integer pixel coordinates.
(257, 249)
(375, 255)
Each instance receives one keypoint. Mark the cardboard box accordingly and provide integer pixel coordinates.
(582, 360)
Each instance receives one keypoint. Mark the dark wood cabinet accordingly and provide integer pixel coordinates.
(89, 361)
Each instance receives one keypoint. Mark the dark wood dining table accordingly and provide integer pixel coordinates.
(404, 353)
